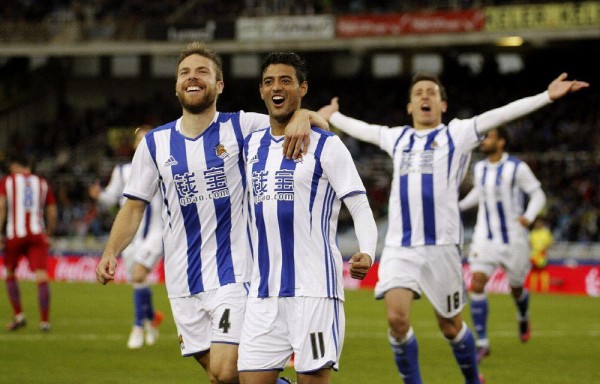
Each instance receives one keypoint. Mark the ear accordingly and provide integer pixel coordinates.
(260, 90)
(220, 86)
(444, 107)
(409, 108)
(303, 88)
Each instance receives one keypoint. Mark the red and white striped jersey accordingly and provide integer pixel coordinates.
(27, 195)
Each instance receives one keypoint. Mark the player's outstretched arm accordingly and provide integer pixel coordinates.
(560, 86)
(123, 230)
(327, 110)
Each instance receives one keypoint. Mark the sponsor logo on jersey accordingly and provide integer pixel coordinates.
(171, 162)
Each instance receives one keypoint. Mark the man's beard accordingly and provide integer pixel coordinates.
(200, 106)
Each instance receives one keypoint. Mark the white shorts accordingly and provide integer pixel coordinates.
(433, 270)
(214, 316)
(146, 253)
(485, 257)
(275, 327)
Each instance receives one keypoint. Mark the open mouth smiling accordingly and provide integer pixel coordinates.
(278, 100)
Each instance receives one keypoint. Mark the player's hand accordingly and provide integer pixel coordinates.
(360, 264)
(560, 86)
(297, 134)
(524, 222)
(94, 190)
(328, 110)
(105, 270)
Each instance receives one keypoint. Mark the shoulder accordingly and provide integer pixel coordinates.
(514, 159)
(169, 125)
(254, 134)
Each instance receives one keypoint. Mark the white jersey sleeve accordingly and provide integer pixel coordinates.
(383, 136)
(471, 200)
(531, 186)
(251, 121)
(143, 180)
(112, 194)
(364, 223)
(512, 111)
(340, 169)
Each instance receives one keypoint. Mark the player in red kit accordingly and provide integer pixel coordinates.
(25, 200)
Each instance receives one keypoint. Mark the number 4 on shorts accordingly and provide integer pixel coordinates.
(224, 323)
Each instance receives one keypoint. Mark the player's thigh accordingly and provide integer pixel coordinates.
(227, 307)
(128, 259)
(149, 252)
(214, 316)
(12, 253)
(319, 377)
(193, 323)
(485, 257)
(259, 377)
(265, 344)
(399, 267)
(37, 252)
(317, 329)
(517, 264)
(442, 280)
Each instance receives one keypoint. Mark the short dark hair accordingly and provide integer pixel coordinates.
(19, 158)
(422, 76)
(200, 48)
(287, 58)
(503, 133)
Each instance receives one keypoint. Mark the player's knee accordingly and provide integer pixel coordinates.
(478, 283)
(226, 375)
(139, 274)
(399, 325)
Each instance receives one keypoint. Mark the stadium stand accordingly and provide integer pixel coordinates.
(74, 138)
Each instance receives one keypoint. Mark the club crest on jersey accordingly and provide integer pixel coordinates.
(170, 162)
(434, 145)
(299, 159)
(221, 152)
(253, 159)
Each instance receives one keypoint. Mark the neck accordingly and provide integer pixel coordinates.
(495, 157)
(277, 128)
(193, 124)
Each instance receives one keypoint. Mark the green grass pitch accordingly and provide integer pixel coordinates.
(91, 324)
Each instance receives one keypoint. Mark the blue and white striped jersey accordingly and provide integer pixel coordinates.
(429, 166)
(294, 213)
(502, 188)
(202, 181)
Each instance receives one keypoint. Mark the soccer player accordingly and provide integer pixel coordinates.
(501, 235)
(195, 162)
(26, 199)
(422, 247)
(296, 299)
(142, 254)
